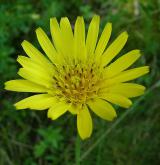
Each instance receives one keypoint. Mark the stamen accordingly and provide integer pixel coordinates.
(77, 83)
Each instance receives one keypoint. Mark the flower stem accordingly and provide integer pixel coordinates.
(78, 150)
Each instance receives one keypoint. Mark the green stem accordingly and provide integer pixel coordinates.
(78, 150)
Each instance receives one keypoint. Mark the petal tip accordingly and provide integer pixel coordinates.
(147, 69)
(52, 20)
(38, 30)
(17, 107)
(125, 34)
(129, 104)
(23, 42)
(84, 137)
(96, 16)
(109, 24)
(6, 85)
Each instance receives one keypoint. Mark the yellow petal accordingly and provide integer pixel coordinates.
(67, 37)
(84, 123)
(122, 63)
(36, 77)
(56, 35)
(92, 35)
(103, 109)
(46, 45)
(103, 41)
(57, 110)
(36, 102)
(31, 65)
(116, 99)
(128, 90)
(24, 86)
(37, 56)
(79, 36)
(73, 109)
(128, 75)
(114, 48)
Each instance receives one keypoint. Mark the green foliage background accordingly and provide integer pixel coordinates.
(29, 138)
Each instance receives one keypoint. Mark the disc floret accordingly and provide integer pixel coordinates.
(77, 83)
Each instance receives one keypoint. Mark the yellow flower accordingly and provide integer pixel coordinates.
(78, 73)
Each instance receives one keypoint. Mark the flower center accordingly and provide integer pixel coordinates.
(75, 79)
(77, 83)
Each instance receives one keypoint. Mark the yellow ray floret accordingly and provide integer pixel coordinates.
(46, 45)
(84, 123)
(114, 48)
(92, 35)
(67, 37)
(122, 63)
(103, 109)
(76, 73)
(24, 86)
(116, 99)
(57, 110)
(128, 90)
(35, 54)
(79, 40)
(56, 35)
(37, 102)
(103, 41)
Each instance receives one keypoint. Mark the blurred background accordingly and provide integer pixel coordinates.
(29, 138)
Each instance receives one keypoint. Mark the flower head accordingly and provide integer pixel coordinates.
(78, 73)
